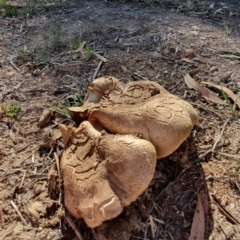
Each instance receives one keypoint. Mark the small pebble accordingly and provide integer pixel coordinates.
(195, 28)
(194, 33)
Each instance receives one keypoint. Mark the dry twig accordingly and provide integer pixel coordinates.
(34, 164)
(237, 156)
(23, 178)
(13, 65)
(153, 226)
(97, 70)
(73, 226)
(1, 216)
(220, 135)
(100, 57)
(57, 163)
(228, 215)
(19, 213)
(215, 143)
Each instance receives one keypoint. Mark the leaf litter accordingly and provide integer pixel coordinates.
(228, 91)
(198, 224)
(192, 83)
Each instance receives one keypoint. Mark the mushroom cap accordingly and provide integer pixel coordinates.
(164, 120)
(109, 91)
(103, 172)
(141, 107)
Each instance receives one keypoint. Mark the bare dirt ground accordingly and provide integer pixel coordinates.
(48, 57)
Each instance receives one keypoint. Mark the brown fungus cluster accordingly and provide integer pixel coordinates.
(110, 159)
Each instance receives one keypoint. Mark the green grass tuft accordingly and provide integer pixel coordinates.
(7, 9)
(231, 106)
(89, 51)
(11, 110)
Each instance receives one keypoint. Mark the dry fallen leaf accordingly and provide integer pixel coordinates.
(198, 225)
(229, 92)
(191, 83)
(231, 56)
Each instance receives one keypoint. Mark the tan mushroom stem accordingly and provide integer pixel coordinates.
(101, 87)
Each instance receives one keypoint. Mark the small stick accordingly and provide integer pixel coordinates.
(201, 156)
(139, 76)
(34, 164)
(44, 68)
(1, 216)
(97, 69)
(100, 57)
(57, 163)
(73, 226)
(23, 178)
(215, 144)
(50, 152)
(60, 198)
(227, 214)
(18, 212)
(13, 65)
(220, 135)
(153, 226)
(229, 155)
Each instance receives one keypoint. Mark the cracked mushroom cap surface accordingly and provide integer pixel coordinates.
(165, 122)
(109, 90)
(103, 172)
(142, 107)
